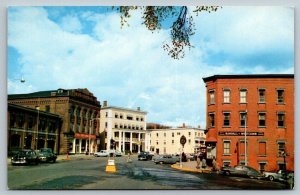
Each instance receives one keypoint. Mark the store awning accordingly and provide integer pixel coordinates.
(211, 139)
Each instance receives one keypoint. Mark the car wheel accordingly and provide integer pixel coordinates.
(271, 178)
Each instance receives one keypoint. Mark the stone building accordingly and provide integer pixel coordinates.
(79, 110)
(252, 115)
(167, 140)
(127, 127)
(30, 128)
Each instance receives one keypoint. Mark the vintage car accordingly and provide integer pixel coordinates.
(102, 153)
(242, 171)
(145, 156)
(25, 157)
(166, 159)
(280, 175)
(47, 155)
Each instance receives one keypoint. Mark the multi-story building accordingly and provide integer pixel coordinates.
(167, 140)
(252, 115)
(30, 128)
(127, 127)
(79, 110)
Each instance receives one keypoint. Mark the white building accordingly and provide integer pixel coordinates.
(167, 141)
(127, 127)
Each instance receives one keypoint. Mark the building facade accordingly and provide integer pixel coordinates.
(127, 127)
(252, 115)
(167, 140)
(30, 128)
(79, 110)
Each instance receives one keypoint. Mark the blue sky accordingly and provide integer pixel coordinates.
(85, 47)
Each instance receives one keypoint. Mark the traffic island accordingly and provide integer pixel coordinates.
(111, 167)
(188, 168)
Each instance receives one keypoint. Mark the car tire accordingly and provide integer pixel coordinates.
(271, 178)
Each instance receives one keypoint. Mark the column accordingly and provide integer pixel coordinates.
(80, 140)
(119, 145)
(139, 142)
(131, 142)
(123, 141)
(86, 145)
(74, 146)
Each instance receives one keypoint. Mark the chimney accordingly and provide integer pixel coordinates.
(183, 125)
(105, 103)
(139, 108)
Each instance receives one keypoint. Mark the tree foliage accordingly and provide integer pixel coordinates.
(182, 27)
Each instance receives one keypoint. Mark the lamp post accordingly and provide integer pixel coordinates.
(37, 126)
(246, 137)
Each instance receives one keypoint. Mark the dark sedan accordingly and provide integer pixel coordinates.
(26, 156)
(241, 170)
(145, 156)
(46, 155)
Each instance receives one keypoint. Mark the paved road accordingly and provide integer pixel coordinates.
(89, 173)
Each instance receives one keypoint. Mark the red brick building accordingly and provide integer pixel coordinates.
(260, 105)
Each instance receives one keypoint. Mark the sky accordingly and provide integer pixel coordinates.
(85, 47)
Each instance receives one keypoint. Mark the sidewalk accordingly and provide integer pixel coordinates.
(190, 167)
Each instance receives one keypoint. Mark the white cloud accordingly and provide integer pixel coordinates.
(125, 66)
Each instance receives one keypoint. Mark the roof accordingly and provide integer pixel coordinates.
(10, 105)
(247, 76)
(125, 109)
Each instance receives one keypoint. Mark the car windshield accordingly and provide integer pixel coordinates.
(45, 150)
(23, 152)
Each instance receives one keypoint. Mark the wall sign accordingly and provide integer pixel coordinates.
(238, 133)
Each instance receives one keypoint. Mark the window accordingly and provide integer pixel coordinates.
(212, 97)
(242, 147)
(226, 147)
(105, 124)
(116, 125)
(243, 119)
(106, 114)
(189, 134)
(142, 119)
(189, 141)
(165, 134)
(47, 108)
(137, 118)
(281, 148)
(116, 115)
(129, 117)
(164, 142)
(243, 96)
(156, 142)
(226, 163)
(172, 141)
(211, 119)
(178, 133)
(280, 119)
(156, 134)
(262, 148)
(226, 94)
(280, 96)
(226, 116)
(262, 167)
(121, 116)
(262, 95)
(261, 119)
(172, 134)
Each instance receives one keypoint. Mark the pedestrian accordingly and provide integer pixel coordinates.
(198, 160)
(203, 163)
(129, 156)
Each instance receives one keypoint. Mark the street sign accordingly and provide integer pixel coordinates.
(182, 140)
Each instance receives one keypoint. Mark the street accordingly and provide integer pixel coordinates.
(88, 172)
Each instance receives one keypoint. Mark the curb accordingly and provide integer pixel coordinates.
(176, 166)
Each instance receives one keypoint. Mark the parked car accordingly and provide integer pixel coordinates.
(25, 156)
(241, 170)
(145, 156)
(278, 176)
(102, 153)
(116, 153)
(47, 155)
(166, 159)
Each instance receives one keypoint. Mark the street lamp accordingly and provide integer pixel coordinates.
(37, 126)
(246, 137)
